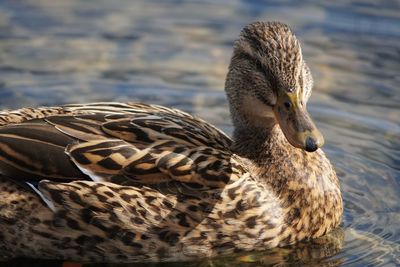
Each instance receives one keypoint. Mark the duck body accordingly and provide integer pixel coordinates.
(108, 214)
(115, 182)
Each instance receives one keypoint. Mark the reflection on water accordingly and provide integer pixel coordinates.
(316, 252)
(176, 53)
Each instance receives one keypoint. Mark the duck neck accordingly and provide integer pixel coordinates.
(259, 144)
(304, 183)
(275, 162)
(270, 157)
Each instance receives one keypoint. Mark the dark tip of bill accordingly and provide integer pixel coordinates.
(311, 144)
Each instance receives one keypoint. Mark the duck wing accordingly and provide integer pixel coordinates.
(119, 143)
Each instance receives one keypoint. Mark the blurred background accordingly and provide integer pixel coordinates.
(176, 52)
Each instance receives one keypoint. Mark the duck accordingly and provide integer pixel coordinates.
(134, 182)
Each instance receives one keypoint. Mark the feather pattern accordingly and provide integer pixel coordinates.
(116, 142)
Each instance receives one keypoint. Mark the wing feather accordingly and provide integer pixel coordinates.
(127, 144)
(34, 152)
(83, 127)
(162, 161)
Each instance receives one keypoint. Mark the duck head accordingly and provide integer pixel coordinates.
(269, 84)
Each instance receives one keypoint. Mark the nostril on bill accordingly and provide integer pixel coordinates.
(311, 144)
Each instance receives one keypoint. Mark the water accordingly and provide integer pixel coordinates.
(175, 53)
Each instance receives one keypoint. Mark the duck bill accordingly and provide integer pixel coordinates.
(297, 125)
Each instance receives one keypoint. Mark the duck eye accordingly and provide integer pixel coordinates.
(291, 90)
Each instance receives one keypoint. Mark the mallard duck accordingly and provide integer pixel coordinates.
(115, 182)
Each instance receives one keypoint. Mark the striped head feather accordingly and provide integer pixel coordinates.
(269, 83)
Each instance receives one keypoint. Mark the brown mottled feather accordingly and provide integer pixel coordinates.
(158, 146)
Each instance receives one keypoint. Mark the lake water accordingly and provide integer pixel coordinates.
(175, 53)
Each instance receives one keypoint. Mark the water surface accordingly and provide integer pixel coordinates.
(175, 53)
